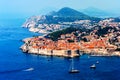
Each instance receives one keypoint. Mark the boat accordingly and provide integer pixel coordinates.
(93, 66)
(88, 57)
(72, 69)
(29, 69)
(97, 62)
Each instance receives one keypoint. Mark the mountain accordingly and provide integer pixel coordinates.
(67, 14)
(51, 21)
(95, 12)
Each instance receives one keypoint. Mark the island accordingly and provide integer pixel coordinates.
(77, 34)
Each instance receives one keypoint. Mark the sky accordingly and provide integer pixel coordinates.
(26, 8)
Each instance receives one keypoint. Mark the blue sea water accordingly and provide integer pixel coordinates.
(16, 65)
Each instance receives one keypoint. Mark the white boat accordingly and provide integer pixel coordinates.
(97, 62)
(72, 69)
(93, 66)
(88, 57)
(29, 69)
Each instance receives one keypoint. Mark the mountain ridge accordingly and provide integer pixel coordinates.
(69, 14)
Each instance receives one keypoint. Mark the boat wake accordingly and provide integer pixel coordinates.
(18, 70)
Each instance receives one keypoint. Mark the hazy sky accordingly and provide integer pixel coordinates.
(25, 8)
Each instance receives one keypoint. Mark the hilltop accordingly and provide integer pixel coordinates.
(68, 12)
(54, 21)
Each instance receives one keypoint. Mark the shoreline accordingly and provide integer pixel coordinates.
(64, 53)
(59, 53)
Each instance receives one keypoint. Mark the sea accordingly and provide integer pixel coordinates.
(16, 65)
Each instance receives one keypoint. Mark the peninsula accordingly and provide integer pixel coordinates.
(81, 34)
